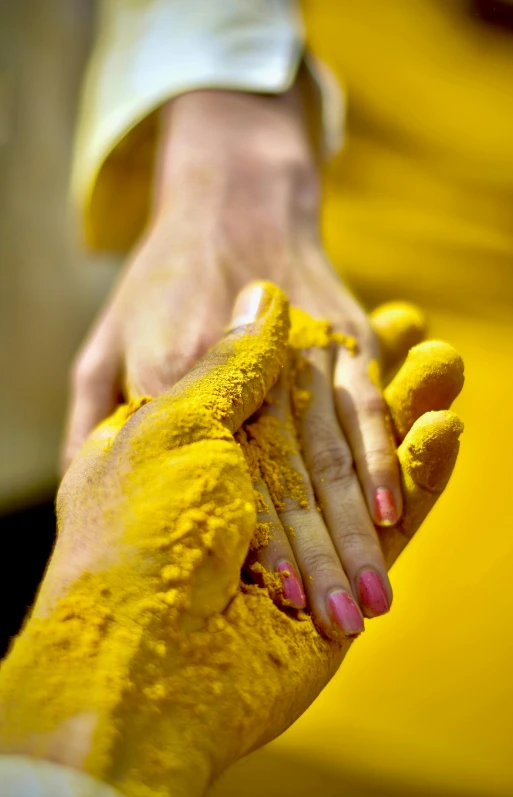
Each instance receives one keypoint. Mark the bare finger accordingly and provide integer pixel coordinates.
(95, 391)
(330, 465)
(362, 413)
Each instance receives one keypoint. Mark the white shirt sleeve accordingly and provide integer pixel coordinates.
(21, 776)
(149, 51)
(152, 50)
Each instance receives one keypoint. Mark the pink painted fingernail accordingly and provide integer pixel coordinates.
(385, 508)
(373, 596)
(291, 583)
(344, 612)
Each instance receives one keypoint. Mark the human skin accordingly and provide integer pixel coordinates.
(276, 666)
(237, 199)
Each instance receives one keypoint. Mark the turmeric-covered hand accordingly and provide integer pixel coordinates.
(237, 199)
(147, 661)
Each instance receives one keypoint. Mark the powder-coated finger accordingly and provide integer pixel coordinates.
(271, 551)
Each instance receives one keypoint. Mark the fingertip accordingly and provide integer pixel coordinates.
(430, 379)
(292, 586)
(375, 593)
(429, 451)
(387, 507)
(398, 326)
(344, 613)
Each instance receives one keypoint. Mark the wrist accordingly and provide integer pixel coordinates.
(211, 135)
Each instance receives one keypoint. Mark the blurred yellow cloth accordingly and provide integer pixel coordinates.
(419, 205)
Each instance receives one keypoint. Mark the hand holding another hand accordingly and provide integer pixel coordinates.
(147, 662)
(237, 199)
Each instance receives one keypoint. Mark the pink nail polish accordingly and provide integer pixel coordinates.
(291, 583)
(373, 597)
(385, 508)
(345, 613)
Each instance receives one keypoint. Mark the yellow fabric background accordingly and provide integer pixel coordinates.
(419, 206)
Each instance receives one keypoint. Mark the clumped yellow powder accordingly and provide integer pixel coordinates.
(307, 332)
(432, 369)
(399, 326)
(272, 449)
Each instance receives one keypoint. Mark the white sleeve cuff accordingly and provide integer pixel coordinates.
(21, 776)
(150, 51)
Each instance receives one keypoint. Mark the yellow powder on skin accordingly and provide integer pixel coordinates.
(306, 332)
(182, 665)
(261, 536)
(399, 326)
(273, 450)
(346, 341)
(374, 374)
(432, 369)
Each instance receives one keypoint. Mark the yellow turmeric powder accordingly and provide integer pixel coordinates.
(176, 665)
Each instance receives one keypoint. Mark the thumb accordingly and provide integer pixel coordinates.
(233, 378)
(239, 371)
(228, 384)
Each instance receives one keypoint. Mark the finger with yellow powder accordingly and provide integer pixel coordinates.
(437, 372)
(271, 561)
(398, 326)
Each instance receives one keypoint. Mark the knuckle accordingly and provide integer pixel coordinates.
(353, 538)
(368, 404)
(332, 462)
(319, 560)
(150, 377)
(381, 458)
(371, 403)
(157, 374)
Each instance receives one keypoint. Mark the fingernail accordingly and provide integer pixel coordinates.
(250, 304)
(373, 597)
(345, 613)
(385, 508)
(291, 583)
